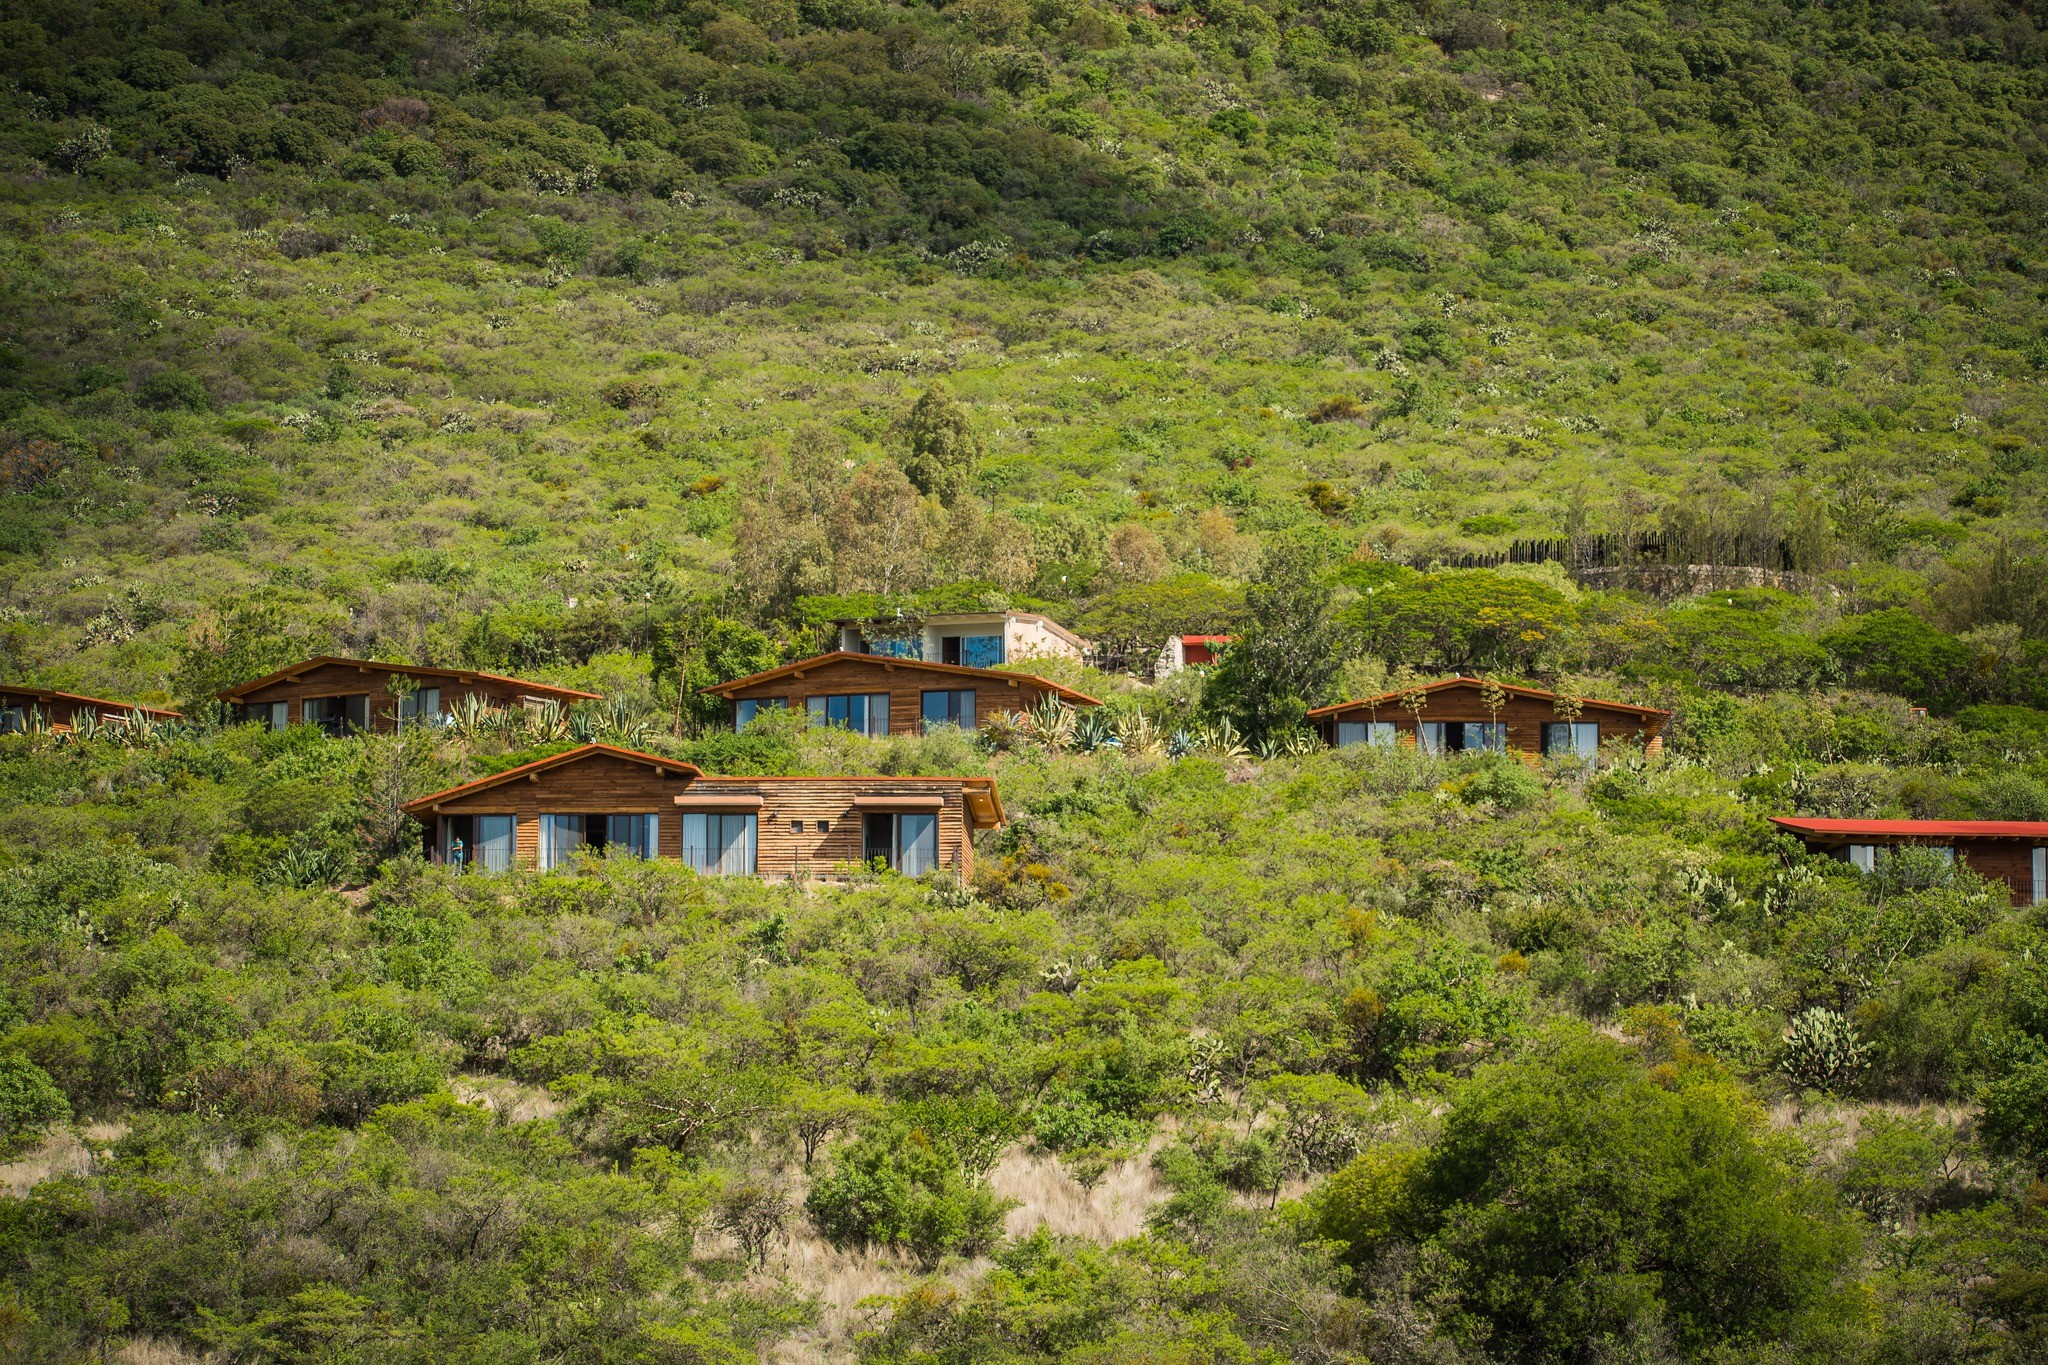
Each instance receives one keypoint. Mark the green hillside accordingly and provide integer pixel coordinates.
(627, 346)
(398, 319)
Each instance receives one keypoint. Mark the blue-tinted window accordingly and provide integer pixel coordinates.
(981, 651)
(949, 708)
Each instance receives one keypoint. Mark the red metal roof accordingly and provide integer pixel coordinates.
(1915, 829)
(1460, 680)
(725, 689)
(1206, 639)
(538, 689)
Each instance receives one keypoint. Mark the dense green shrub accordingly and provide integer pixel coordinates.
(904, 1186)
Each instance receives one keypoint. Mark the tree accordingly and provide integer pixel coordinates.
(1133, 622)
(28, 1098)
(2015, 1117)
(943, 446)
(1573, 1205)
(1287, 659)
(1462, 619)
(696, 651)
(880, 533)
(904, 1186)
(1895, 651)
(232, 645)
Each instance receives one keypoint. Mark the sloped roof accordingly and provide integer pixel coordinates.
(78, 699)
(540, 765)
(1460, 680)
(839, 656)
(1915, 829)
(539, 689)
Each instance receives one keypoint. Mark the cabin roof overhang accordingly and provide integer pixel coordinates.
(46, 694)
(804, 667)
(465, 675)
(1460, 681)
(1851, 831)
(426, 805)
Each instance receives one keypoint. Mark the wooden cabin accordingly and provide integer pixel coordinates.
(2011, 851)
(1454, 717)
(874, 695)
(538, 815)
(340, 695)
(19, 705)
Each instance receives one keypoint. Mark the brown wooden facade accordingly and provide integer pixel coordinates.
(905, 681)
(815, 826)
(349, 688)
(2014, 852)
(60, 710)
(1460, 702)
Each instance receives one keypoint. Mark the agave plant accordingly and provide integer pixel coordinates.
(1094, 730)
(140, 727)
(1050, 724)
(1000, 732)
(1138, 734)
(471, 719)
(622, 723)
(1288, 744)
(1220, 740)
(547, 722)
(86, 725)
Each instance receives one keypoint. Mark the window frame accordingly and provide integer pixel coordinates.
(707, 849)
(953, 696)
(747, 710)
(818, 710)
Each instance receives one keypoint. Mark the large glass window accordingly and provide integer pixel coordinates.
(981, 651)
(1439, 737)
(1378, 733)
(2040, 896)
(483, 842)
(864, 713)
(908, 842)
(718, 844)
(748, 709)
(949, 708)
(422, 706)
(1862, 857)
(339, 715)
(639, 835)
(898, 647)
(560, 837)
(13, 720)
(1578, 738)
(496, 836)
(268, 713)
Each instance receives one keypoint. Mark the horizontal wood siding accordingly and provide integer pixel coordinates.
(340, 680)
(906, 684)
(781, 851)
(604, 784)
(62, 710)
(1525, 718)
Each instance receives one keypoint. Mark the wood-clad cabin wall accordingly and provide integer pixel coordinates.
(62, 710)
(343, 680)
(781, 851)
(906, 685)
(604, 784)
(1525, 718)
